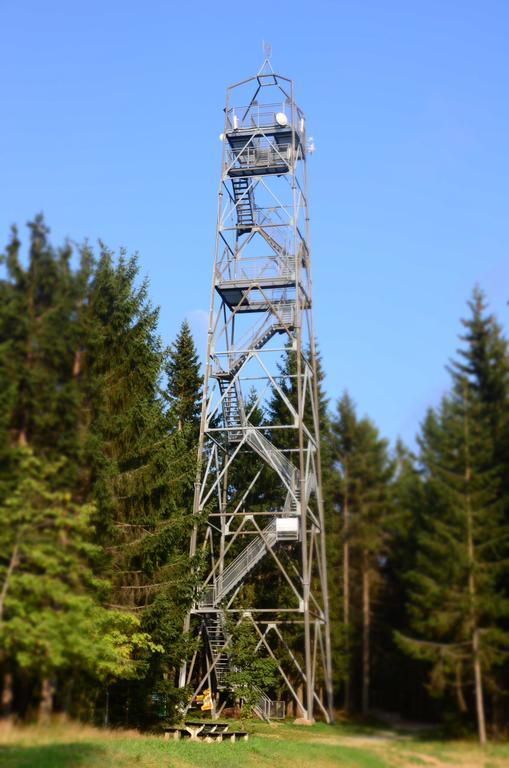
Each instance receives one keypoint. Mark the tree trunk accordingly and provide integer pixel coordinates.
(346, 598)
(76, 366)
(13, 562)
(7, 695)
(460, 698)
(472, 591)
(106, 720)
(365, 632)
(479, 700)
(46, 702)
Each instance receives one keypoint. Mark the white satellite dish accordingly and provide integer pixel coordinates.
(221, 137)
(281, 119)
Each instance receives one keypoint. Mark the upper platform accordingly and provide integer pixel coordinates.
(267, 134)
(260, 149)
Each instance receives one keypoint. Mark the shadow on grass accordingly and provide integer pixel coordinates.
(52, 756)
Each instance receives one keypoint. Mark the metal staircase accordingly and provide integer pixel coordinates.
(233, 409)
(238, 428)
(267, 709)
(217, 636)
(287, 471)
(238, 569)
(244, 203)
(256, 343)
(276, 247)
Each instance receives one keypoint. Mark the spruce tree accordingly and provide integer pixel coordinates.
(81, 367)
(184, 382)
(484, 362)
(141, 469)
(456, 602)
(408, 502)
(40, 398)
(343, 430)
(365, 472)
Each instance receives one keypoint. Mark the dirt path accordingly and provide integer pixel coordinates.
(400, 750)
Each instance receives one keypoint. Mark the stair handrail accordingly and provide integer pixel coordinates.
(262, 220)
(263, 706)
(287, 470)
(284, 315)
(245, 561)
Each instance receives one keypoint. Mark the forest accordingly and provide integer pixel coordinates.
(98, 433)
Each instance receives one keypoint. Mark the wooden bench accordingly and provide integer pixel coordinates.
(176, 733)
(205, 731)
(210, 736)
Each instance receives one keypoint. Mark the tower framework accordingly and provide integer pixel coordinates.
(259, 478)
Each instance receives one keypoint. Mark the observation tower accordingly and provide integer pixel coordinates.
(258, 503)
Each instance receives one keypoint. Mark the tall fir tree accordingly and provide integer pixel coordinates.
(343, 430)
(141, 468)
(185, 382)
(409, 695)
(459, 608)
(456, 603)
(365, 471)
(38, 341)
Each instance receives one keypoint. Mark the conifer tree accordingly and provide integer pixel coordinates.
(370, 527)
(408, 502)
(40, 399)
(142, 470)
(343, 430)
(184, 382)
(456, 602)
(484, 362)
(465, 459)
(365, 473)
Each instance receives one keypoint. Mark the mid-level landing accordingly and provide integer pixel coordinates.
(232, 291)
(255, 296)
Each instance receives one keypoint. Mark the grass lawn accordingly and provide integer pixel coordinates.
(282, 745)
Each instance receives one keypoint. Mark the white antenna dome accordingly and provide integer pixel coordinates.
(281, 119)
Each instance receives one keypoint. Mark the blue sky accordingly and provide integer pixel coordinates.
(109, 119)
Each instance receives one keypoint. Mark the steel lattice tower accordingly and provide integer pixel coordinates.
(261, 314)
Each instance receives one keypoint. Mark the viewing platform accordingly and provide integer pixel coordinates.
(262, 141)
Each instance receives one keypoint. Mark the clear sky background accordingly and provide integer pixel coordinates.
(110, 113)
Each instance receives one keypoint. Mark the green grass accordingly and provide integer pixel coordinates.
(281, 745)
